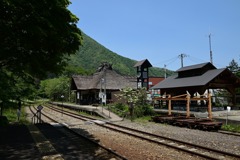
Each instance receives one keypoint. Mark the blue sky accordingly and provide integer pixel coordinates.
(161, 30)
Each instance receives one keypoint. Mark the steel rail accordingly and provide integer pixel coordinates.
(156, 136)
(82, 136)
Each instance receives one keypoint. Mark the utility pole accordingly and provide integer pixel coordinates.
(210, 46)
(165, 76)
(182, 56)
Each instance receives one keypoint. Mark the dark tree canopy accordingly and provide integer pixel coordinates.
(36, 35)
(35, 38)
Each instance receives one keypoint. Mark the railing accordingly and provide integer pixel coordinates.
(37, 117)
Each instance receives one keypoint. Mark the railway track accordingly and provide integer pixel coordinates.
(194, 149)
(71, 134)
(229, 133)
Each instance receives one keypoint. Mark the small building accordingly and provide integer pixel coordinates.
(105, 83)
(152, 82)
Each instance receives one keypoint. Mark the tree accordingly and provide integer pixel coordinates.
(233, 66)
(54, 88)
(15, 87)
(134, 97)
(71, 70)
(37, 35)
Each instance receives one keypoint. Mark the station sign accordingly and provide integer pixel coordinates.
(39, 107)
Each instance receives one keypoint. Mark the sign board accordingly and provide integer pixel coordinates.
(100, 95)
(39, 107)
(104, 100)
(228, 108)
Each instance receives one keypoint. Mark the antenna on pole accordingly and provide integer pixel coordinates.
(210, 47)
(182, 56)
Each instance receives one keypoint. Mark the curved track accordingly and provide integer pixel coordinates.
(70, 132)
(199, 150)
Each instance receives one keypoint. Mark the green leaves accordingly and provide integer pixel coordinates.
(54, 88)
(136, 99)
(35, 35)
(35, 38)
(133, 96)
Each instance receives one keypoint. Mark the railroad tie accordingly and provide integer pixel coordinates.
(44, 146)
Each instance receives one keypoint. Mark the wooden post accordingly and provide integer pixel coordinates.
(169, 106)
(188, 106)
(209, 106)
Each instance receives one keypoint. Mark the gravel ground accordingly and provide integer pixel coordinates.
(133, 148)
(216, 140)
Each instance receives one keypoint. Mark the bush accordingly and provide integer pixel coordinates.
(139, 110)
(232, 128)
(120, 109)
(144, 110)
(120, 106)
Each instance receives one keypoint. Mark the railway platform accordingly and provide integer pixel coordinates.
(232, 117)
(45, 142)
(24, 142)
(100, 110)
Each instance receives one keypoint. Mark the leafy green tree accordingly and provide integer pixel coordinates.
(130, 95)
(36, 35)
(233, 66)
(36, 39)
(13, 87)
(71, 70)
(136, 99)
(54, 88)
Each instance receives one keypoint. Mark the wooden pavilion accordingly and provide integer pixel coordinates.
(198, 79)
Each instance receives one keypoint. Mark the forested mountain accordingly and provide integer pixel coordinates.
(91, 54)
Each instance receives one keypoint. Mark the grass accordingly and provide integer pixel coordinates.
(144, 119)
(10, 112)
(231, 128)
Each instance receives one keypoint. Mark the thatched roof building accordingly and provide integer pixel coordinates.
(114, 81)
(88, 88)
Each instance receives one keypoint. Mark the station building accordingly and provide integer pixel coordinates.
(103, 84)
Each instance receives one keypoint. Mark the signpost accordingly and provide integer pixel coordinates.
(228, 110)
(39, 109)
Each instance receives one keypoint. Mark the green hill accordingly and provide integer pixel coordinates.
(91, 54)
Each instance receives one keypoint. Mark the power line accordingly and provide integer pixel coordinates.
(165, 61)
(196, 60)
(169, 62)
